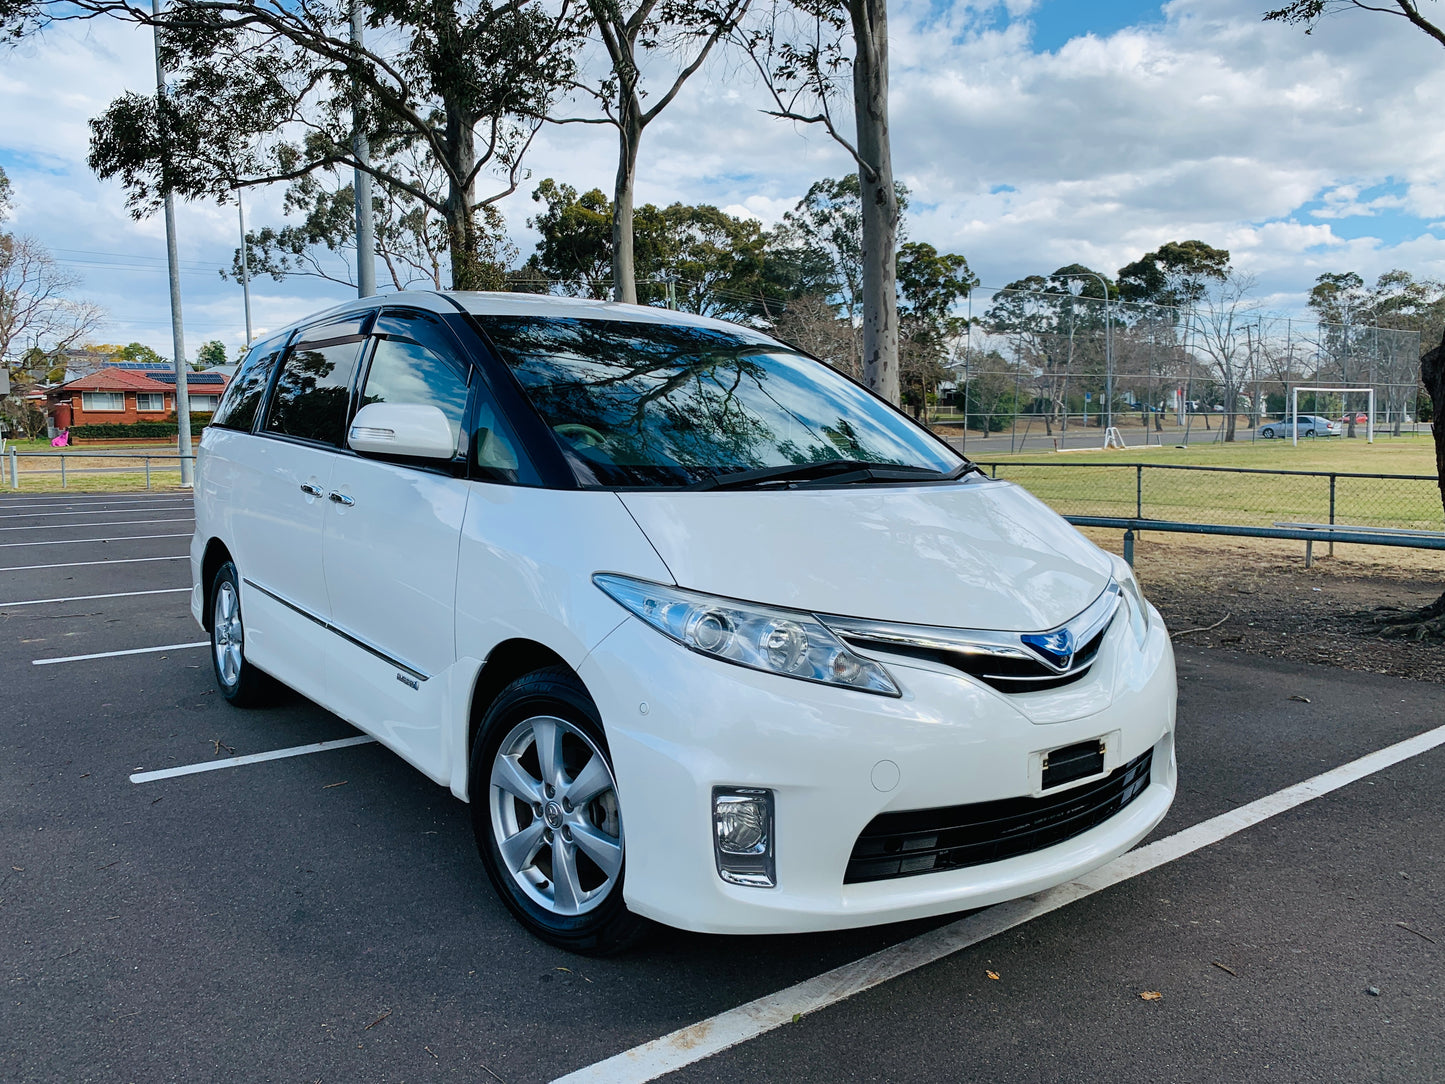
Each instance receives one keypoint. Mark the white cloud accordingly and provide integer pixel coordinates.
(1211, 124)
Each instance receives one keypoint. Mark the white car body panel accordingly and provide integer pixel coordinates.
(953, 741)
(391, 573)
(983, 555)
(408, 591)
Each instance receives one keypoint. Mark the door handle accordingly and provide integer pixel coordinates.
(341, 498)
(312, 490)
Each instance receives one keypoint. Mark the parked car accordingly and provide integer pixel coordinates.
(1359, 419)
(1309, 425)
(703, 631)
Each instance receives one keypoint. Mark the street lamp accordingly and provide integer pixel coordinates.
(1108, 346)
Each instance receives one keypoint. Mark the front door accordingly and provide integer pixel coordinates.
(391, 539)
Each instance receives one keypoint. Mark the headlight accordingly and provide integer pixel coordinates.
(1133, 599)
(784, 642)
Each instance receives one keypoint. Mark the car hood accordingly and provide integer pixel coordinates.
(973, 554)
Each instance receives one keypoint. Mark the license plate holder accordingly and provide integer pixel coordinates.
(1071, 762)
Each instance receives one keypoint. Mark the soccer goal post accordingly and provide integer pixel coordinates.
(1342, 392)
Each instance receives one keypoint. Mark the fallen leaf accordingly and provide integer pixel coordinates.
(1151, 995)
(991, 974)
(1301, 699)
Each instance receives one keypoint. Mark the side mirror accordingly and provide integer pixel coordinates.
(411, 429)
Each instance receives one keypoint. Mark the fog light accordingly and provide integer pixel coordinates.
(742, 819)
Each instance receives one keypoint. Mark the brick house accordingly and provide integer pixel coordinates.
(124, 396)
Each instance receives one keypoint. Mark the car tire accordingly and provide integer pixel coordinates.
(1267, 433)
(1309, 432)
(241, 683)
(557, 863)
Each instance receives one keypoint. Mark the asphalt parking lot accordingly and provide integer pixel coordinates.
(324, 917)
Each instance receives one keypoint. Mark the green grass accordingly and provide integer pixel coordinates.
(81, 473)
(1080, 483)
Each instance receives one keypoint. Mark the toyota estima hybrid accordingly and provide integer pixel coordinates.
(703, 631)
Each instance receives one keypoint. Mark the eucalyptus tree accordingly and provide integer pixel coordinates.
(708, 261)
(410, 238)
(1218, 324)
(634, 35)
(806, 52)
(930, 286)
(261, 91)
(1056, 324)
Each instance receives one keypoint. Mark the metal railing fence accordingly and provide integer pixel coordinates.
(139, 464)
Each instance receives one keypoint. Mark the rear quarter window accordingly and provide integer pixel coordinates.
(238, 407)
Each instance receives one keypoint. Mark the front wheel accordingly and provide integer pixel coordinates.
(546, 814)
(1267, 433)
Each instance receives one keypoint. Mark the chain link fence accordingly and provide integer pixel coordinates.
(1038, 365)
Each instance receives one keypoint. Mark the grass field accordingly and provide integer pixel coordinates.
(113, 471)
(1097, 483)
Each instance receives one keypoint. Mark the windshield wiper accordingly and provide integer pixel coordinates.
(832, 471)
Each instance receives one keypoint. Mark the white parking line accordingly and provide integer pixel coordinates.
(118, 654)
(253, 758)
(92, 598)
(95, 512)
(77, 541)
(92, 526)
(716, 1034)
(83, 564)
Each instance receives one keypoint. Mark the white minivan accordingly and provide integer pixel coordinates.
(703, 631)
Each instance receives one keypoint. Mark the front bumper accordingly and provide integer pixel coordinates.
(679, 724)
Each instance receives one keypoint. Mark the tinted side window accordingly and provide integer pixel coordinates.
(416, 360)
(313, 392)
(407, 372)
(238, 407)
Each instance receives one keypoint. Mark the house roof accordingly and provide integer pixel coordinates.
(116, 380)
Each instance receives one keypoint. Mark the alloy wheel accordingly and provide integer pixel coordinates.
(555, 816)
(228, 635)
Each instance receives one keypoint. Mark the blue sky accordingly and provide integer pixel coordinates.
(1033, 134)
(1055, 22)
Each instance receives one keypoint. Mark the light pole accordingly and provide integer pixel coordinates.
(245, 266)
(178, 338)
(1108, 346)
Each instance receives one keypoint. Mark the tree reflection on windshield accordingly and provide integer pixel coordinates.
(637, 404)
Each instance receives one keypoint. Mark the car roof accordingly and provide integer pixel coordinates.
(480, 303)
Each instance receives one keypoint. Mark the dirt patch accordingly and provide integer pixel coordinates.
(1256, 596)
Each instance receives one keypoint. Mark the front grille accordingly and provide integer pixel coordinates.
(955, 837)
(1007, 675)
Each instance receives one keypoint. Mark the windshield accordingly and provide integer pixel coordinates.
(664, 405)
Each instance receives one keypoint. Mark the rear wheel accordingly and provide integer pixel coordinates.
(546, 814)
(241, 683)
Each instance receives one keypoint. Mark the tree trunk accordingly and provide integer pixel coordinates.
(624, 266)
(880, 201)
(1231, 400)
(468, 272)
(1432, 375)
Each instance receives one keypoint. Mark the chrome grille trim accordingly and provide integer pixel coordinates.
(1004, 660)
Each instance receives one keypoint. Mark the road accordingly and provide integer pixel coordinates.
(325, 916)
